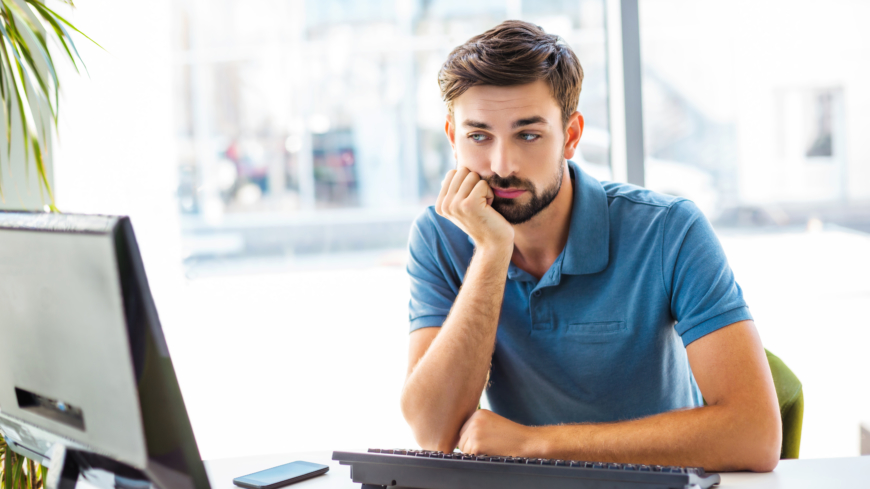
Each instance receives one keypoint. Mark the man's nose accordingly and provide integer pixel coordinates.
(502, 162)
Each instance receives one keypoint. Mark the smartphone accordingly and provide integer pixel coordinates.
(281, 475)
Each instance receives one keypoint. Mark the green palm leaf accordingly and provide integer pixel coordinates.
(29, 83)
(17, 472)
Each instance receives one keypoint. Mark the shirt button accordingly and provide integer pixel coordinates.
(536, 293)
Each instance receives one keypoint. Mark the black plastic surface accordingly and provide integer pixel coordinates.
(173, 456)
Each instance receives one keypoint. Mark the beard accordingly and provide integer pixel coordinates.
(516, 213)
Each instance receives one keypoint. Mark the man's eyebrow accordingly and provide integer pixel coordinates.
(518, 123)
(528, 121)
(477, 124)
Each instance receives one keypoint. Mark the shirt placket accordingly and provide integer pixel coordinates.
(540, 312)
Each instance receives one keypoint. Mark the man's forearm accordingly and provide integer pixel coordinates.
(444, 388)
(719, 438)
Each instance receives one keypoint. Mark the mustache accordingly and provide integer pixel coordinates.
(509, 182)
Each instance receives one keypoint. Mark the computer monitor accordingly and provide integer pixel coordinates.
(85, 374)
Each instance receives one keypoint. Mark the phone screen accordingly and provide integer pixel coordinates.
(281, 473)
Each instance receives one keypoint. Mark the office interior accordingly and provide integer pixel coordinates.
(272, 154)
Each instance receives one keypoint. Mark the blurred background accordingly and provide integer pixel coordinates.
(273, 153)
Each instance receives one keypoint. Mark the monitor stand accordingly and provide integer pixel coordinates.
(68, 466)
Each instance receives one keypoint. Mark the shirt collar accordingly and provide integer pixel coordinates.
(588, 246)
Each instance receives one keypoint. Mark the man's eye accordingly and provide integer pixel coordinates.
(529, 137)
(477, 137)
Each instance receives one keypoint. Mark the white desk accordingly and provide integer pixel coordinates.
(824, 473)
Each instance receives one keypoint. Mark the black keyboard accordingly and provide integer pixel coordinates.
(423, 469)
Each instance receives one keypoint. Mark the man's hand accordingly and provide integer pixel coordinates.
(465, 200)
(487, 433)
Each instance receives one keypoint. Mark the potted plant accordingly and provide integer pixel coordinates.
(30, 32)
(29, 96)
(19, 472)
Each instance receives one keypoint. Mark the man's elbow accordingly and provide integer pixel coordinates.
(765, 459)
(764, 462)
(763, 444)
(435, 443)
(429, 435)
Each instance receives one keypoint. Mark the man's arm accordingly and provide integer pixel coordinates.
(448, 366)
(740, 429)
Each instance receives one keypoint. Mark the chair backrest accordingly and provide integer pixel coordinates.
(790, 394)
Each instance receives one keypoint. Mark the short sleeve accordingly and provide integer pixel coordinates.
(704, 296)
(432, 293)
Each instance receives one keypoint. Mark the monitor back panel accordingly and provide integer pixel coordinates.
(66, 364)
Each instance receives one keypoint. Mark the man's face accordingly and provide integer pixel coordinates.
(514, 139)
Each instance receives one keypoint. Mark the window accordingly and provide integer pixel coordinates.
(328, 112)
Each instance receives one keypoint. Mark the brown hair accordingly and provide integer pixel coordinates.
(514, 53)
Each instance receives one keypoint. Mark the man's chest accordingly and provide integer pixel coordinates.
(591, 309)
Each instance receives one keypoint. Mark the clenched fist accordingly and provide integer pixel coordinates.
(466, 201)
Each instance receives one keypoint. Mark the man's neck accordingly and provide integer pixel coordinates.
(538, 242)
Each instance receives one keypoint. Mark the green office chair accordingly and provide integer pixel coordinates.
(790, 394)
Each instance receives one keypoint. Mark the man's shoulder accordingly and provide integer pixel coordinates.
(428, 221)
(618, 191)
(632, 201)
(430, 229)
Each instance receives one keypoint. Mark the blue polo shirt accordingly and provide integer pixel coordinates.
(602, 335)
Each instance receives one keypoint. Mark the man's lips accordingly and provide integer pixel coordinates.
(507, 193)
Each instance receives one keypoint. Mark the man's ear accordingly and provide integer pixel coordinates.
(573, 131)
(451, 132)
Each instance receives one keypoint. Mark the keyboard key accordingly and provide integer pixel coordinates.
(599, 465)
(374, 450)
(644, 468)
(629, 467)
(657, 468)
(561, 463)
(578, 463)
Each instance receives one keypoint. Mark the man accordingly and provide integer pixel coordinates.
(596, 315)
